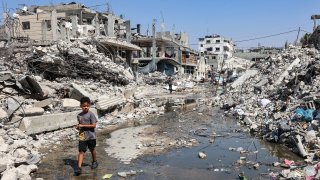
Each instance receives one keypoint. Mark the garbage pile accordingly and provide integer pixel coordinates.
(278, 98)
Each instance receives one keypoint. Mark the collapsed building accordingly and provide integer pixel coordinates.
(70, 22)
(278, 99)
(112, 35)
(166, 52)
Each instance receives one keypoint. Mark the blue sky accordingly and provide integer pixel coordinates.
(237, 19)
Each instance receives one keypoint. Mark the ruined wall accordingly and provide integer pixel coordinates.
(40, 26)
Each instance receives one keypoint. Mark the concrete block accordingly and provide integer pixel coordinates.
(248, 121)
(12, 105)
(5, 75)
(129, 92)
(244, 77)
(77, 93)
(70, 103)
(51, 122)
(43, 103)
(33, 111)
(105, 104)
(286, 72)
(276, 116)
(129, 107)
(3, 114)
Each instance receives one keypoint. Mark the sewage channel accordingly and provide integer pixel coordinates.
(215, 135)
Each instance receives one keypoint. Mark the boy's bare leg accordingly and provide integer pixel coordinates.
(93, 154)
(80, 159)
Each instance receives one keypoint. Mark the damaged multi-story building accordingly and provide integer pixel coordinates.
(67, 22)
(166, 52)
(216, 49)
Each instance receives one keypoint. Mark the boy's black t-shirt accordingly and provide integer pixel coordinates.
(87, 133)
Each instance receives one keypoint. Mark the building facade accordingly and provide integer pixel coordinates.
(64, 22)
(215, 49)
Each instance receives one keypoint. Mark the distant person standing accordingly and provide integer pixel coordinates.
(170, 82)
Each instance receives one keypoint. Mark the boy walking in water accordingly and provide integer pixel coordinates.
(87, 135)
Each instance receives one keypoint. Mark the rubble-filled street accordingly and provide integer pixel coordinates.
(164, 109)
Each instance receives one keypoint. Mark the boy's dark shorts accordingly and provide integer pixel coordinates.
(83, 145)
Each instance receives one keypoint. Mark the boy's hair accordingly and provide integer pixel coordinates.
(85, 100)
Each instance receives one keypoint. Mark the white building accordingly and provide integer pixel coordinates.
(201, 70)
(216, 49)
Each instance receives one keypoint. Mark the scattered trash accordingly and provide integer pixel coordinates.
(276, 164)
(202, 155)
(107, 176)
(242, 177)
(256, 166)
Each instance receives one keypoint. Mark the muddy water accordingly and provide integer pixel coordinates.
(181, 163)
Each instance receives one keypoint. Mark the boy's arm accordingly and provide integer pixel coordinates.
(93, 122)
(87, 125)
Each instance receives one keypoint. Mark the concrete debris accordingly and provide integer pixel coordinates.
(41, 85)
(68, 60)
(202, 155)
(3, 114)
(43, 103)
(33, 111)
(127, 173)
(45, 123)
(69, 104)
(278, 99)
(106, 103)
(78, 92)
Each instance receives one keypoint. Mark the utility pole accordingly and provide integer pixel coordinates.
(153, 68)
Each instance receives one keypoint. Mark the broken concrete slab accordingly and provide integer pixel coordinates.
(129, 92)
(3, 114)
(277, 116)
(33, 111)
(6, 75)
(10, 174)
(68, 103)
(244, 77)
(44, 123)
(43, 103)
(78, 92)
(286, 73)
(13, 104)
(107, 103)
(4, 146)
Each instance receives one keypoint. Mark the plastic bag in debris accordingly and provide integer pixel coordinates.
(310, 172)
(288, 162)
(306, 115)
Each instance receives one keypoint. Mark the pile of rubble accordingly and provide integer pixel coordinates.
(40, 89)
(77, 60)
(278, 98)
